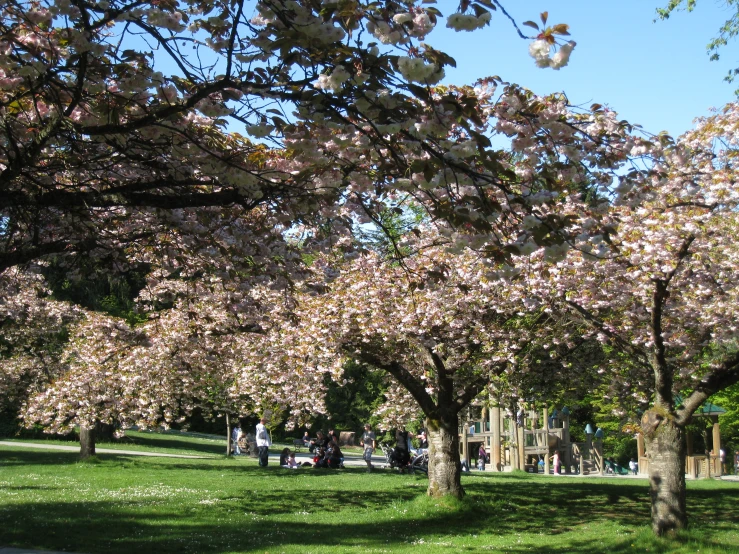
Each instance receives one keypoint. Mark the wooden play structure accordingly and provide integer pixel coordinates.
(520, 442)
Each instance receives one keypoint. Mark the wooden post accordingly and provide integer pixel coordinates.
(640, 452)
(465, 454)
(495, 447)
(717, 445)
(521, 448)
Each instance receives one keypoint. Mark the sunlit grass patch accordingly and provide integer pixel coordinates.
(120, 503)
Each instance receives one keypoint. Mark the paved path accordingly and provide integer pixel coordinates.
(97, 451)
(349, 459)
(9, 550)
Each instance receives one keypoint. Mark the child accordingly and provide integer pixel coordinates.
(291, 462)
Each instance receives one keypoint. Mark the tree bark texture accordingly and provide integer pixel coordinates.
(666, 451)
(87, 442)
(444, 464)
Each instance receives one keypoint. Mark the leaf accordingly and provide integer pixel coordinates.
(488, 3)
(561, 29)
(544, 16)
(479, 10)
(531, 24)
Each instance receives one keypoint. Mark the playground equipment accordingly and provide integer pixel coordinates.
(520, 442)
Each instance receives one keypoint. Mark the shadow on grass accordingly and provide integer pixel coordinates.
(238, 507)
(167, 441)
(117, 528)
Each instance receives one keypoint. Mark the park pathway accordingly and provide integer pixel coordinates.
(349, 459)
(97, 451)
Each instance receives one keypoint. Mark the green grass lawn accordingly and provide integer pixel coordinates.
(117, 503)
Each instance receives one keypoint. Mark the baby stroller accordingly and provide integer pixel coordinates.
(396, 458)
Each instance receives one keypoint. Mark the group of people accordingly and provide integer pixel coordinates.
(326, 451)
(325, 447)
(239, 441)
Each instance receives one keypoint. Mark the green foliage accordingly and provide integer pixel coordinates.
(352, 404)
(98, 290)
(728, 399)
(388, 228)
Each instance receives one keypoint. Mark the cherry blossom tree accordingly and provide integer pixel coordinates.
(663, 293)
(33, 333)
(441, 324)
(205, 351)
(123, 115)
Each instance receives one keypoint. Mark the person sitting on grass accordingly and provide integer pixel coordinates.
(332, 458)
(284, 456)
(335, 455)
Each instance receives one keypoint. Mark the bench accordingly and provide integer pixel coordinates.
(298, 444)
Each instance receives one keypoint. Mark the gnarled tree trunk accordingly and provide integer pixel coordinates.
(444, 466)
(666, 449)
(87, 442)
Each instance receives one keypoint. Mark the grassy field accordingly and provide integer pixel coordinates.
(118, 503)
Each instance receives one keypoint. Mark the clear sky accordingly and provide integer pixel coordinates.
(656, 74)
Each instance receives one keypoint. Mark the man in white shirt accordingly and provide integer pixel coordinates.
(263, 442)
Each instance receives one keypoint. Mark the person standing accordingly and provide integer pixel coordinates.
(401, 453)
(263, 442)
(633, 466)
(482, 457)
(235, 436)
(555, 462)
(369, 442)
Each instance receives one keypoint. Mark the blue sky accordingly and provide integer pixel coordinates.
(656, 74)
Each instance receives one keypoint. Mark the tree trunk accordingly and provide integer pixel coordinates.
(228, 435)
(666, 451)
(444, 465)
(87, 442)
